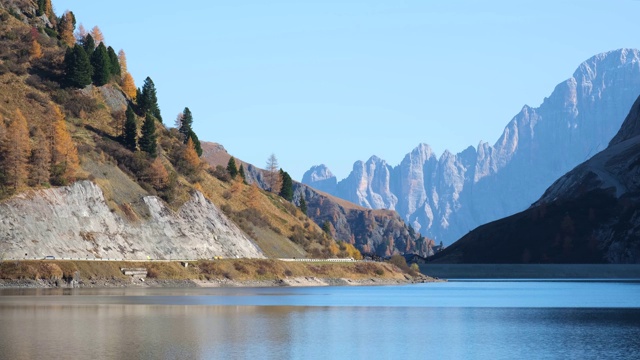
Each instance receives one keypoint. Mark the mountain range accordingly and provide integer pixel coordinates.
(445, 197)
(589, 215)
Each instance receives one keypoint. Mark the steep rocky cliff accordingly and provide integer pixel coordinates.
(589, 215)
(448, 196)
(75, 221)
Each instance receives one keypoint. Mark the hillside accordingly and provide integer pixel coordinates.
(589, 215)
(88, 168)
(445, 197)
(379, 232)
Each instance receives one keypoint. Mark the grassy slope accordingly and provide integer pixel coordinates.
(96, 123)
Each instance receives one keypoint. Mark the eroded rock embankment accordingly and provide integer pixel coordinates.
(75, 222)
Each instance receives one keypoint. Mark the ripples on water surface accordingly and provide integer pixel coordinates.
(484, 320)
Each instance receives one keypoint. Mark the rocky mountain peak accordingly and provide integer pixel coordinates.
(320, 177)
(448, 196)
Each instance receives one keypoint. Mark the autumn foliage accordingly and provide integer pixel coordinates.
(64, 157)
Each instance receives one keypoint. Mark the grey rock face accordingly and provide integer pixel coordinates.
(320, 178)
(75, 222)
(446, 197)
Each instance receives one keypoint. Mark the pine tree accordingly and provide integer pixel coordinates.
(17, 151)
(64, 155)
(66, 26)
(231, 168)
(115, 64)
(186, 121)
(286, 190)
(242, 174)
(101, 65)
(147, 140)
(130, 130)
(40, 160)
(88, 44)
(129, 86)
(303, 205)
(78, 68)
(148, 99)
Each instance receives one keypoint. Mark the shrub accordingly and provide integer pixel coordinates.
(221, 173)
(400, 262)
(379, 272)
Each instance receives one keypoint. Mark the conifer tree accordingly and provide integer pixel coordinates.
(40, 159)
(242, 174)
(130, 130)
(272, 176)
(122, 60)
(97, 36)
(129, 86)
(66, 26)
(78, 68)
(115, 64)
(303, 205)
(190, 157)
(148, 99)
(81, 33)
(101, 65)
(186, 122)
(36, 50)
(17, 151)
(286, 190)
(231, 168)
(64, 154)
(45, 8)
(147, 140)
(157, 175)
(88, 44)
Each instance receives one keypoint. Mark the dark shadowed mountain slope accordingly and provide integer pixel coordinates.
(589, 215)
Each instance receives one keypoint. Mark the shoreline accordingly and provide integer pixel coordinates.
(215, 283)
(204, 273)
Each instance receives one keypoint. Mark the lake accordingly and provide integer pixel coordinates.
(466, 320)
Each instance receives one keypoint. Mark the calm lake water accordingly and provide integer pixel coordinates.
(466, 320)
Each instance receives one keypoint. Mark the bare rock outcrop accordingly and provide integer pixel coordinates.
(75, 222)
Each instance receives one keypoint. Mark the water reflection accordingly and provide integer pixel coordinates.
(182, 324)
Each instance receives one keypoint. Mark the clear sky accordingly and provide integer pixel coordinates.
(335, 81)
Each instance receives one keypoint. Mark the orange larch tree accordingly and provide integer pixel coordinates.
(66, 28)
(97, 36)
(64, 157)
(157, 175)
(122, 59)
(17, 150)
(129, 86)
(191, 158)
(35, 51)
(81, 33)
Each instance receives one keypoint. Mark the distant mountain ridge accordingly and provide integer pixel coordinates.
(448, 196)
(589, 215)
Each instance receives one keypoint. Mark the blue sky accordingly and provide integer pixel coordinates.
(338, 81)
